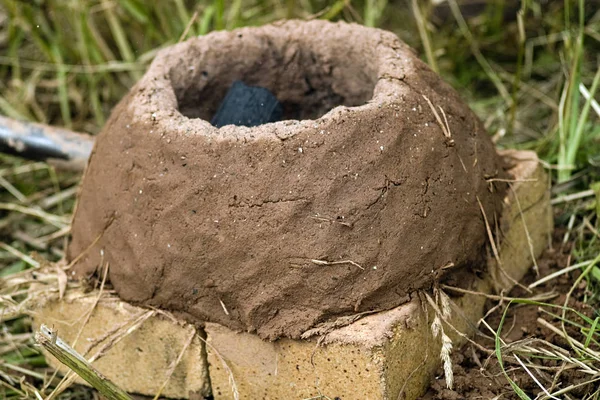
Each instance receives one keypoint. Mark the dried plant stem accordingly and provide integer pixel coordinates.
(69, 357)
(323, 262)
(187, 344)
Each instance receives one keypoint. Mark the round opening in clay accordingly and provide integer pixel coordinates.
(308, 75)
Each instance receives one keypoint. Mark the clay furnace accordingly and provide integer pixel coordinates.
(362, 195)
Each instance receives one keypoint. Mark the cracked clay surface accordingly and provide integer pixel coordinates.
(350, 204)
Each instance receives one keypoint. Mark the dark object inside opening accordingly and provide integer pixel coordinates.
(307, 80)
(247, 106)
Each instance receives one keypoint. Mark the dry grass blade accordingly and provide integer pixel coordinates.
(495, 249)
(537, 382)
(12, 190)
(67, 380)
(323, 262)
(89, 312)
(572, 387)
(69, 357)
(444, 127)
(573, 196)
(539, 297)
(20, 255)
(58, 221)
(594, 354)
(442, 313)
(234, 389)
(109, 341)
(187, 344)
(188, 26)
(560, 272)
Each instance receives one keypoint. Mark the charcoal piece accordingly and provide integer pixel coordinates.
(247, 106)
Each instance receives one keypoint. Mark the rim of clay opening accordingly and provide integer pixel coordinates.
(162, 106)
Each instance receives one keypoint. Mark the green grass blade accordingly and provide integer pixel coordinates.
(219, 16)
(334, 10)
(207, 16)
(184, 16)
(424, 34)
(590, 334)
(136, 10)
(119, 36)
(575, 141)
(234, 14)
(63, 91)
(498, 351)
(485, 65)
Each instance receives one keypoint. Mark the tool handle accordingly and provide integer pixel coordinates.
(69, 149)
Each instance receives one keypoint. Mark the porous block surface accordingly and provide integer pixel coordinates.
(139, 362)
(527, 220)
(360, 196)
(354, 362)
(390, 355)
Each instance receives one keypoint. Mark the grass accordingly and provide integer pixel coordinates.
(573, 117)
(531, 79)
(585, 357)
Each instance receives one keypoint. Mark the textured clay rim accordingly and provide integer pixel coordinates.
(387, 87)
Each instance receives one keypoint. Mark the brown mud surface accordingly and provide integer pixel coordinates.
(477, 374)
(360, 197)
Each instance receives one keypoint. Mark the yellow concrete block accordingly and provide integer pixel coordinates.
(527, 222)
(138, 363)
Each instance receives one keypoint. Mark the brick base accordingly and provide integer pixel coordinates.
(389, 355)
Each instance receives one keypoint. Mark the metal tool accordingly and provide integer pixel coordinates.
(61, 147)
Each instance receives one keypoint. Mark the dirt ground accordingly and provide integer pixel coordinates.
(477, 374)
